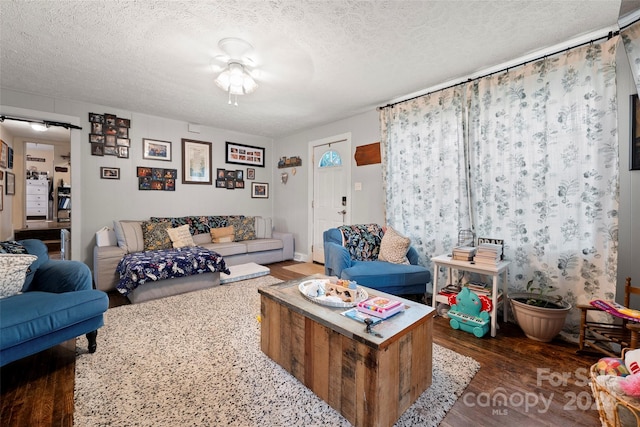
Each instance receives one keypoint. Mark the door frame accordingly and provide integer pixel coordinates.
(310, 183)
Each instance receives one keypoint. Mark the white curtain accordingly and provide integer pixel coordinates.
(631, 39)
(424, 171)
(541, 172)
(544, 165)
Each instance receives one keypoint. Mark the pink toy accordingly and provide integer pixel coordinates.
(631, 385)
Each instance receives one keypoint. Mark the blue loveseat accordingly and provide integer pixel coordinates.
(57, 303)
(396, 279)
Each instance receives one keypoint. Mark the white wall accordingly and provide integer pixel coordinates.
(291, 200)
(97, 202)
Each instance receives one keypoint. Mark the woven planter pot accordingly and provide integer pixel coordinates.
(539, 323)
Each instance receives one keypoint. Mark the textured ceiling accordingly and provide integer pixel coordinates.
(319, 60)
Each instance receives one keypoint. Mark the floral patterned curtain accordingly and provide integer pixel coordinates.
(538, 167)
(424, 170)
(544, 171)
(631, 39)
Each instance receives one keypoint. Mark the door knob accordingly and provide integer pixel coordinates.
(342, 212)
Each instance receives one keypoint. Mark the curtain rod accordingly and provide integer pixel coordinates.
(47, 123)
(608, 37)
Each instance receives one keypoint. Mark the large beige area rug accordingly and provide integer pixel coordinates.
(194, 359)
(307, 268)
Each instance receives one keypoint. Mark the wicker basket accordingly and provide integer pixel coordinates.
(614, 410)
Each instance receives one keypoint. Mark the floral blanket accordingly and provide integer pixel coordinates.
(137, 268)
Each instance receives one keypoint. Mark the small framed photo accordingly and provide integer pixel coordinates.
(96, 118)
(143, 171)
(231, 184)
(239, 174)
(110, 140)
(110, 151)
(123, 132)
(1, 199)
(170, 184)
(251, 173)
(125, 142)
(221, 174)
(239, 184)
(244, 154)
(123, 152)
(110, 130)
(10, 184)
(144, 183)
(120, 122)
(4, 155)
(110, 119)
(97, 149)
(259, 190)
(96, 128)
(221, 183)
(154, 149)
(109, 173)
(230, 174)
(196, 162)
(95, 137)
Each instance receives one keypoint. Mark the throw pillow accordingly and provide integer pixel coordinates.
(129, 235)
(12, 247)
(14, 269)
(244, 227)
(180, 236)
(155, 235)
(394, 247)
(222, 234)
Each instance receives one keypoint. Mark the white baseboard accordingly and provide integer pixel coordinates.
(297, 256)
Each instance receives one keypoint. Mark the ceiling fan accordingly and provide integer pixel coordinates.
(237, 75)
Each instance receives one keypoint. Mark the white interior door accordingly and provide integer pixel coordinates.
(331, 189)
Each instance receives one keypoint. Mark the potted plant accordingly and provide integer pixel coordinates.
(540, 315)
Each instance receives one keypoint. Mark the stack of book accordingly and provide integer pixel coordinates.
(479, 288)
(464, 253)
(380, 307)
(488, 254)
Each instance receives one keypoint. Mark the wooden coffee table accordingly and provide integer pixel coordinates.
(370, 380)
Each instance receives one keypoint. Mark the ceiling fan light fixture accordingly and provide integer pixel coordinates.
(235, 79)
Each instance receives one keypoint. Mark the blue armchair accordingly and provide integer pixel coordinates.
(396, 279)
(57, 303)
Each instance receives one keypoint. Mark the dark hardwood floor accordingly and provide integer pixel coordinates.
(520, 382)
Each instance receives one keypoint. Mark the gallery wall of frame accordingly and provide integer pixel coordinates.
(109, 135)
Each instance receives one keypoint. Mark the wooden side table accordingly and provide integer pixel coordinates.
(499, 270)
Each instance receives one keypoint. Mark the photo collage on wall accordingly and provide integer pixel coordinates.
(229, 179)
(109, 135)
(156, 178)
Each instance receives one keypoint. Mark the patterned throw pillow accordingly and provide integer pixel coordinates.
(180, 236)
(155, 235)
(244, 227)
(12, 247)
(14, 270)
(394, 247)
(362, 240)
(222, 234)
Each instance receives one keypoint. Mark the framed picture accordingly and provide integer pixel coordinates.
(94, 137)
(143, 171)
(125, 142)
(4, 154)
(110, 119)
(196, 162)
(239, 184)
(97, 149)
(110, 151)
(230, 174)
(244, 154)
(123, 152)
(1, 199)
(231, 184)
(109, 173)
(154, 149)
(10, 160)
(96, 127)
(259, 190)
(221, 173)
(221, 183)
(110, 140)
(634, 149)
(10, 184)
(96, 118)
(251, 173)
(120, 122)
(239, 174)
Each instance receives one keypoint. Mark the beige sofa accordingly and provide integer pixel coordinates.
(267, 247)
